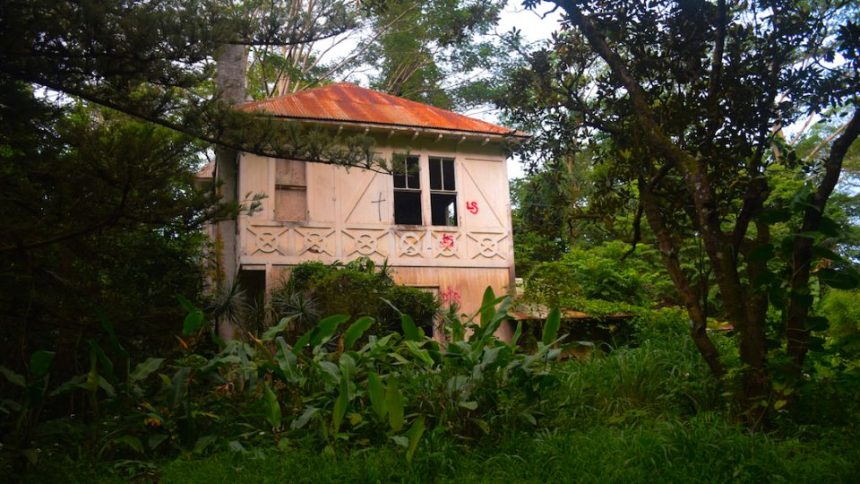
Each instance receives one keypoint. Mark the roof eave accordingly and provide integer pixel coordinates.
(413, 131)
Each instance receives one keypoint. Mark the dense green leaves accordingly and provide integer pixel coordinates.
(14, 378)
(675, 113)
(838, 279)
(600, 280)
(145, 368)
(282, 326)
(414, 435)
(419, 47)
(340, 405)
(360, 288)
(326, 329)
(40, 363)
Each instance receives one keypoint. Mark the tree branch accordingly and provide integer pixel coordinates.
(798, 311)
(693, 170)
(218, 139)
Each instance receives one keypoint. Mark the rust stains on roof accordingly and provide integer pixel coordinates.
(348, 103)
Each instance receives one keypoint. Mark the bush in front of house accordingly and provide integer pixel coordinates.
(359, 288)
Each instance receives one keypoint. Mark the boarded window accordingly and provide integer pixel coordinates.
(407, 190)
(443, 192)
(291, 191)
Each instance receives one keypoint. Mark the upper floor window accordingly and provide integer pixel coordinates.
(443, 192)
(407, 190)
(291, 191)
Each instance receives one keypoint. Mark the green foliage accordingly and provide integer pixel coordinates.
(101, 211)
(566, 202)
(842, 310)
(833, 375)
(102, 220)
(662, 374)
(420, 46)
(651, 407)
(359, 288)
(702, 449)
(550, 328)
(25, 400)
(389, 390)
(599, 280)
(681, 107)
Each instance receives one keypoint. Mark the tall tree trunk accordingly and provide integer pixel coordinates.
(232, 61)
(720, 249)
(669, 251)
(798, 309)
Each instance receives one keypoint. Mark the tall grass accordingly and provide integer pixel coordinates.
(700, 449)
(649, 413)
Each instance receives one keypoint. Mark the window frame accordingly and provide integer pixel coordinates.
(407, 158)
(442, 190)
(291, 187)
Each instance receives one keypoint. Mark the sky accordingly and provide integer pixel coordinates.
(533, 29)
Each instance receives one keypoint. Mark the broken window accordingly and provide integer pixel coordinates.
(291, 191)
(443, 192)
(407, 190)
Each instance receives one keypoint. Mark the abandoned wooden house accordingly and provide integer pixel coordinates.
(441, 220)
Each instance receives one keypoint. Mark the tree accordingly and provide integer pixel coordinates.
(691, 94)
(106, 108)
(102, 223)
(436, 52)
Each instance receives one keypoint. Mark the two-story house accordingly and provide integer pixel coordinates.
(441, 220)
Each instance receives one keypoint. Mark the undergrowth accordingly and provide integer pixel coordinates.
(485, 412)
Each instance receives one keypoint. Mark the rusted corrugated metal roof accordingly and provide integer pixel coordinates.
(349, 103)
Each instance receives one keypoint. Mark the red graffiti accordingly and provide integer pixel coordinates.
(447, 241)
(472, 207)
(450, 296)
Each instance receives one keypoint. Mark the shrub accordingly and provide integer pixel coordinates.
(590, 278)
(421, 305)
(359, 288)
(842, 310)
(387, 390)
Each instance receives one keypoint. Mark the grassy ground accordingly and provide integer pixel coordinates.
(703, 449)
(699, 449)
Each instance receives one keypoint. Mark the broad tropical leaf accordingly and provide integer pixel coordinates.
(376, 391)
(550, 328)
(340, 406)
(414, 434)
(271, 406)
(356, 330)
(394, 404)
(410, 331)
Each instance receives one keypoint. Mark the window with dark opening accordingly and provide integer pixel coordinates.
(443, 192)
(407, 191)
